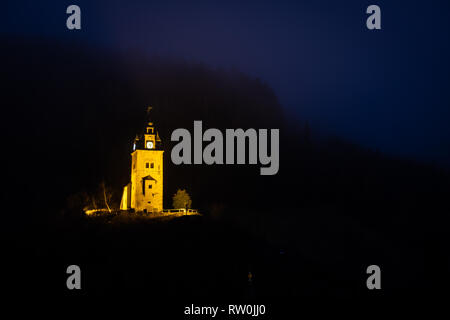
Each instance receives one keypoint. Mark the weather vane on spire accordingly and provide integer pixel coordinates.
(149, 108)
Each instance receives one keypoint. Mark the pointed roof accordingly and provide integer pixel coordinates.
(149, 177)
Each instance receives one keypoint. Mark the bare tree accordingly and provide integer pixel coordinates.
(104, 196)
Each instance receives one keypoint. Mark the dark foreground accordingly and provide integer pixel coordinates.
(199, 260)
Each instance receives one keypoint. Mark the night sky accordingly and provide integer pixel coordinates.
(385, 89)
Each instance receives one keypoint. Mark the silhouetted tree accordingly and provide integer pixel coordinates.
(77, 201)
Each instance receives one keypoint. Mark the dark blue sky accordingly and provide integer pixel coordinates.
(386, 89)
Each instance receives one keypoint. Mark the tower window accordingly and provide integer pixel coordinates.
(146, 165)
(151, 165)
(149, 186)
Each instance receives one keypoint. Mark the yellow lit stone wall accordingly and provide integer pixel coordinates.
(147, 180)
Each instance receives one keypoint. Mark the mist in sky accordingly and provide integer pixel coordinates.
(386, 89)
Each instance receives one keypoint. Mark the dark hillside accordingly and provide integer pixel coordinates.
(332, 208)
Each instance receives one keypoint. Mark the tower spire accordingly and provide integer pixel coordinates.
(145, 191)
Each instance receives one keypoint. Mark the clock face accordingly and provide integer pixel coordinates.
(149, 144)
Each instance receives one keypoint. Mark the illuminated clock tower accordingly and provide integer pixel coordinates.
(145, 190)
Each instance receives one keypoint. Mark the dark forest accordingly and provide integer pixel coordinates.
(70, 115)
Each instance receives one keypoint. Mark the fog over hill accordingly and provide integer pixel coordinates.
(71, 113)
